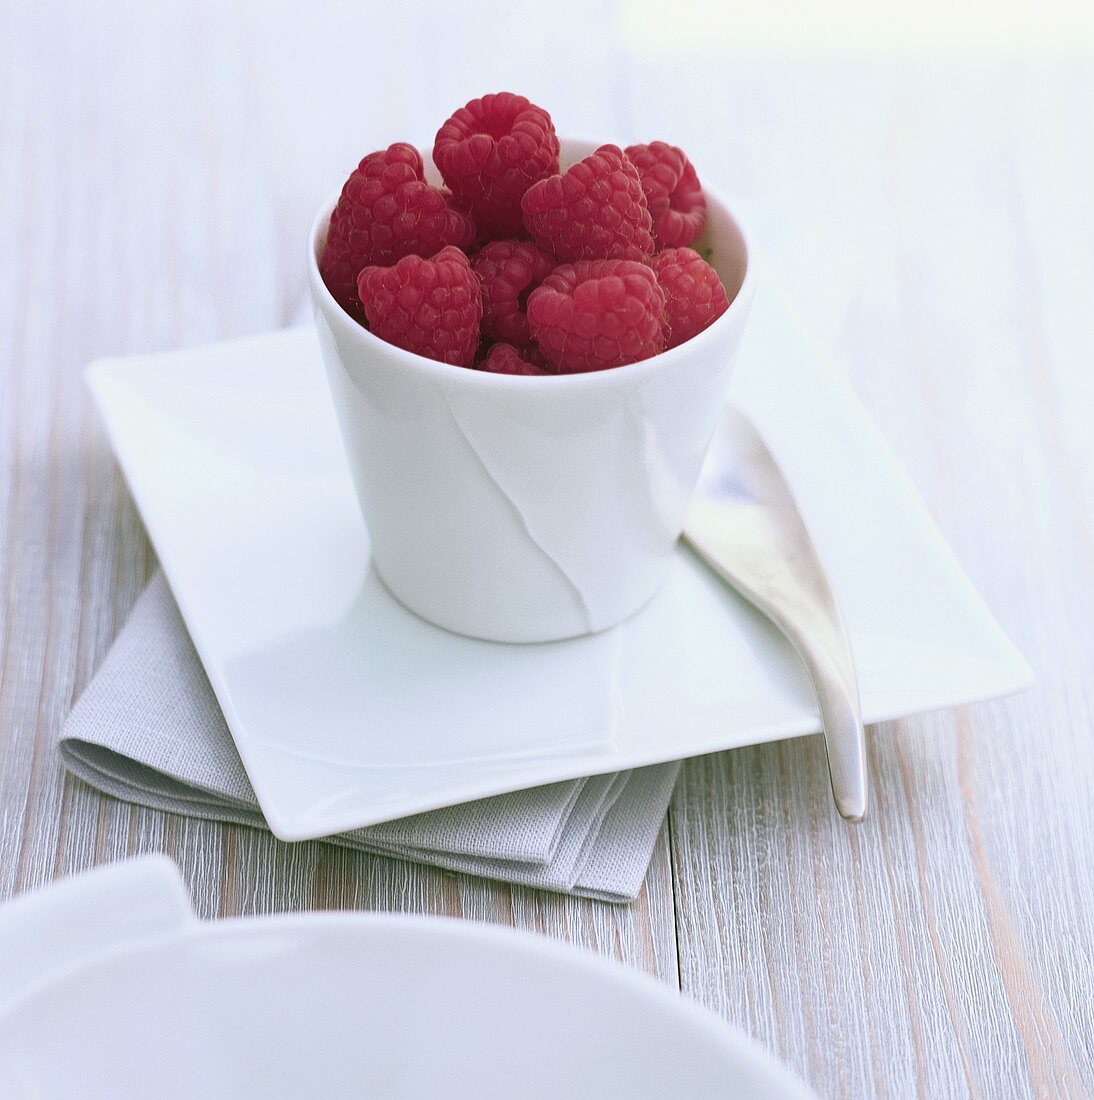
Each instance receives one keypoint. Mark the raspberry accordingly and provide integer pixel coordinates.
(596, 314)
(431, 307)
(694, 295)
(673, 192)
(594, 211)
(509, 272)
(490, 152)
(506, 359)
(387, 211)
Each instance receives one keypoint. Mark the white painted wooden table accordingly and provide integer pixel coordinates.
(158, 168)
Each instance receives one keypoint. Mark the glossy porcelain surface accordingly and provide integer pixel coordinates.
(336, 1005)
(347, 709)
(528, 509)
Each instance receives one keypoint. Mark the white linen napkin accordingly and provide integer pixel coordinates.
(148, 730)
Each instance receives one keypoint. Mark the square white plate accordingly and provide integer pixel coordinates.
(348, 710)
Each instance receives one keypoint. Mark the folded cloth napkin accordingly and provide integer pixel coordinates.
(148, 730)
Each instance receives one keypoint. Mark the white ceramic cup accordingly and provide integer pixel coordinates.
(528, 509)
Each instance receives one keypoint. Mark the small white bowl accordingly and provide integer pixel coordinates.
(111, 990)
(525, 509)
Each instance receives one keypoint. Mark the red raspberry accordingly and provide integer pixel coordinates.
(490, 152)
(597, 314)
(509, 272)
(506, 359)
(387, 211)
(431, 307)
(673, 192)
(594, 211)
(694, 295)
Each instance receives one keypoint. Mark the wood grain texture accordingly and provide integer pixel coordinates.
(158, 170)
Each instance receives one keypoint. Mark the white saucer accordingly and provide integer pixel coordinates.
(113, 990)
(348, 710)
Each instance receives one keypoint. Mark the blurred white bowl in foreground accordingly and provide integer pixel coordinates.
(125, 994)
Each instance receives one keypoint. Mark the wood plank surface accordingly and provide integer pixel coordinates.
(159, 166)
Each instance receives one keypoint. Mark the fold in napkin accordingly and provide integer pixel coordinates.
(148, 730)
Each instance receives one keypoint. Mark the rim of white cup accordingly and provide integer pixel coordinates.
(627, 375)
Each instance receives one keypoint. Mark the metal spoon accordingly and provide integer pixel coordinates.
(745, 526)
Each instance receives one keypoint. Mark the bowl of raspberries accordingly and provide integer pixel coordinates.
(528, 341)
